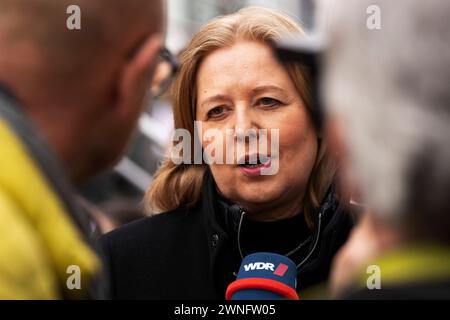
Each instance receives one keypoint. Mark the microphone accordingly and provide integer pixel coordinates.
(264, 276)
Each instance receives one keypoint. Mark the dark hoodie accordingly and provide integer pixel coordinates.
(194, 253)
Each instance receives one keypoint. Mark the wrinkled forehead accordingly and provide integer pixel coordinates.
(245, 65)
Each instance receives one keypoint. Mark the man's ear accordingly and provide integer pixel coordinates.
(335, 136)
(337, 144)
(137, 73)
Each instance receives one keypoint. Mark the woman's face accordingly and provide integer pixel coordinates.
(244, 87)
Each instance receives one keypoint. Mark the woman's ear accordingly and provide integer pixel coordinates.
(136, 75)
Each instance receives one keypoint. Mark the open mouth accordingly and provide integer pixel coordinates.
(254, 161)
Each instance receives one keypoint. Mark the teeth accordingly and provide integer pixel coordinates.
(259, 162)
(253, 165)
(264, 159)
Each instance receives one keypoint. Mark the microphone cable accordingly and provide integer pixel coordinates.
(319, 225)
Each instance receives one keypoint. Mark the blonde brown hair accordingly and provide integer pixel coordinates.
(180, 185)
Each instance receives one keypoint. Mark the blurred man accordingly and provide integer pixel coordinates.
(387, 89)
(69, 100)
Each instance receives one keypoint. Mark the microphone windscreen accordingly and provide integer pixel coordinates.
(264, 276)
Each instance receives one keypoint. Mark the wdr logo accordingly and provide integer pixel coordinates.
(279, 271)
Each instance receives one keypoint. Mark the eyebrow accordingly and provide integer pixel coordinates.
(261, 89)
(215, 98)
(255, 91)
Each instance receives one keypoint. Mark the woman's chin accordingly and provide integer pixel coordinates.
(254, 200)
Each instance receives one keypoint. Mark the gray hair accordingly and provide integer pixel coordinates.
(391, 88)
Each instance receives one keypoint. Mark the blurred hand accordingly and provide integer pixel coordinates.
(367, 241)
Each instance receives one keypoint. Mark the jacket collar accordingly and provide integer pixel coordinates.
(211, 209)
(6, 92)
(410, 266)
(40, 205)
(222, 217)
(43, 156)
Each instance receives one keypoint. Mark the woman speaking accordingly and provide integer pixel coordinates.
(206, 217)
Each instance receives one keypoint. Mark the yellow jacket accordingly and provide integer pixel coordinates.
(38, 240)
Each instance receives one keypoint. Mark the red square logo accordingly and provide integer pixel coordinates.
(280, 270)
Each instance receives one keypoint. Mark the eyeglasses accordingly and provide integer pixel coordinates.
(166, 69)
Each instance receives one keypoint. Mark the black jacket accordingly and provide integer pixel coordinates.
(193, 253)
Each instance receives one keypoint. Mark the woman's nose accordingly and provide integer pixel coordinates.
(244, 119)
(246, 125)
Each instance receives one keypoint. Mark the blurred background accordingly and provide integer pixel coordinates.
(119, 193)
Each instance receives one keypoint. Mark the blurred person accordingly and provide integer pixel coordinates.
(206, 218)
(69, 100)
(112, 200)
(120, 211)
(388, 99)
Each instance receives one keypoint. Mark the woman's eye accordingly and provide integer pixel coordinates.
(216, 112)
(268, 102)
